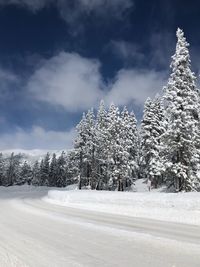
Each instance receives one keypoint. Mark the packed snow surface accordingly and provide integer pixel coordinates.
(180, 207)
(34, 233)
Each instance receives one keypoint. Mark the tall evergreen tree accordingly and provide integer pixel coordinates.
(85, 147)
(145, 139)
(80, 147)
(72, 167)
(101, 142)
(130, 146)
(36, 174)
(90, 151)
(152, 128)
(13, 169)
(156, 165)
(117, 154)
(45, 170)
(25, 176)
(53, 173)
(2, 170)
(181, 95)
(61, 171)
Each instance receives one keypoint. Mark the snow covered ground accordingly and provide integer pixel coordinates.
(34, 233)
(181, 207)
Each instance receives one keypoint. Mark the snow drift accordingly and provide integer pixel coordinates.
(182, 207)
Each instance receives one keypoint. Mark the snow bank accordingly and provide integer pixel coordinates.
(181, 207)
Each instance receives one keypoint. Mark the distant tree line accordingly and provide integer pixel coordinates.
(111, 151)
(54, 171)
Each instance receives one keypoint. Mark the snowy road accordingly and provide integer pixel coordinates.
(36, 233)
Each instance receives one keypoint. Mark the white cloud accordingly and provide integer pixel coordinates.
(75, 83)
(37, 138)
(68, 80)
(135, 86)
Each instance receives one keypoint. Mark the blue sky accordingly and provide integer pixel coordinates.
(59, 58)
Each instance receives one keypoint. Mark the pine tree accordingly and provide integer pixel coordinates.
(85, 148)
(25, 174)
(72, 167)
(117, 156)
(145, 136)
(36, 174)
(181, 95)
(2, 170)
(61, 171)
(80, 146)
(53, 171)
(44, 170)
(101, 143)
(13, 170)
(156, 165)
(130, 146)
(151, 165)
(90, 150)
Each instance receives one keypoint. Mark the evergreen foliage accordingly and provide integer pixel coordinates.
(181, 138)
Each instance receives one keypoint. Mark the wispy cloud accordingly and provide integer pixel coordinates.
(73, 11)
(162, 46)
(8, 81)
(126, 51)
(156, 54)
(111, 8)
(33, 5)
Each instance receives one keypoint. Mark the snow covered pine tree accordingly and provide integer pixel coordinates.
(181, 138)
(150, 138)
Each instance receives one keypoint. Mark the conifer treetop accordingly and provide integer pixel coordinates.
(181, 55)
